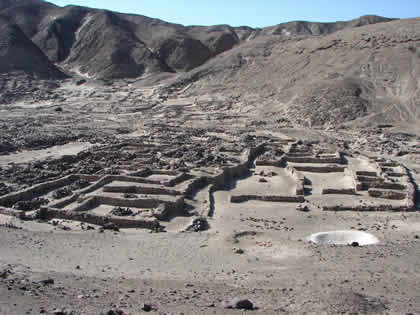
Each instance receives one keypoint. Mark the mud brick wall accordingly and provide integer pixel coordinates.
(178, 179)
(300, 180)
(244, 198)
(384, 185)
(336, 159)
(230, 173)
(402, 208)
(343, 191)
(36, 191)
(277, 163)
(366, 173)
(11, 212)
(64, 202)
(387, 194)
(321, 169)
(197, 184)
(141, 190)
(147, 223)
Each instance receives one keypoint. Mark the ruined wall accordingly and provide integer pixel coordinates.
(146, 223)
(36, 191)
(244, 198)
(300, 180)
(321, 169)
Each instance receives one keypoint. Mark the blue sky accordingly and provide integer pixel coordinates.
(252, 12)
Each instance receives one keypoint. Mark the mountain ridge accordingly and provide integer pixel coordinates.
(349, 71)
(172, 47)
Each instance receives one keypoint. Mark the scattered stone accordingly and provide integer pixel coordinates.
(29, 205)
(262, 180)
(114, 312)
(238, 250)
(122, 212)
(111, 226)
(303, 208)
(61, 311)
(80, 82)
(79, 184)
(129, 196)
(238, 303)
(47, 281)
(62, 192)
(198, 224)
(147, 307)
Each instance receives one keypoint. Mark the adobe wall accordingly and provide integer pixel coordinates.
(141, 190)
(244, 198)
(121, 222)
(230, 173)
(342, 191)
(382, 185)
(36, 191)
(139, 203)
(178, 179)
(320, 169)
(366, 173)
(276, 163)
(12, 212)
(387, 194)
(402, 208)
(299, 178)
(197, 184)
(316, 160)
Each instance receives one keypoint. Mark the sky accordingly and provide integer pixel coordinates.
(254, 13)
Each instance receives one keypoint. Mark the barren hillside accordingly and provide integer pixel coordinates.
(20, 54)
(371, 71)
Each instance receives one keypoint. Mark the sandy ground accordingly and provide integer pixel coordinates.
(50, 153)
(279, 270)
(255, 250)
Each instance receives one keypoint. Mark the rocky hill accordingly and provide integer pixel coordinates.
(348, 71)
(20, 54)
(104, 44)
(360, 75)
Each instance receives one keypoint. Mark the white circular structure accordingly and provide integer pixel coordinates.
(357, 238)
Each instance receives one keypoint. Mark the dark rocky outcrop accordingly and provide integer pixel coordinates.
(20, 54)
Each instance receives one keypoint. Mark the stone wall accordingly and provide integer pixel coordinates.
(361, 208)
(300, 180)
(148, 190)
(366, 173)
(36, 191)
(341, 191)
(294, 158)
(244, 198)
(321, 169)
(123, 222)
(387, 194)
(11, 212)
(178, 179)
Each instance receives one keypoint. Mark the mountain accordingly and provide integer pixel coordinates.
(351, 72)
(4, 4)
(19, 54)
(104, 44)
(359, 74)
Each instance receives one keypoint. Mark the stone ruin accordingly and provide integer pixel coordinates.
(134, 192)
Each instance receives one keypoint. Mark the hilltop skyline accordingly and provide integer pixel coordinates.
(249, 13)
